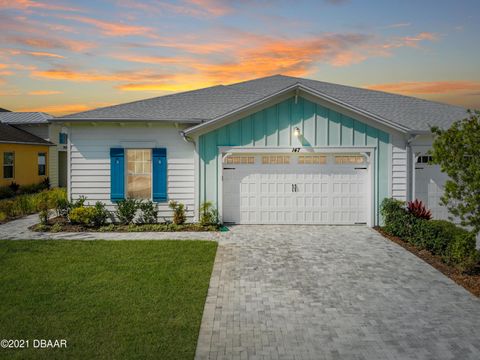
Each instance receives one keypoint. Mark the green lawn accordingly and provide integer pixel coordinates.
(108, 299)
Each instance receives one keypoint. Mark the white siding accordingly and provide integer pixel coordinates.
(399, 169)
(90, 161)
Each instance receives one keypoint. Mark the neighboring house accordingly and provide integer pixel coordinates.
(39, 124)
(275, 150)
(24, 157)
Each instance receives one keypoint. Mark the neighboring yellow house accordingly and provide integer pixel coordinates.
(24, 157)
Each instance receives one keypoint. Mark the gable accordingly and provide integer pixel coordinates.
(274, 126)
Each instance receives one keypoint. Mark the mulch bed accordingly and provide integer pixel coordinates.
(68, 227)
(470, 281)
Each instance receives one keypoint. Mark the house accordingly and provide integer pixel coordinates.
(24, 157)
(39, 124)
(275, 150)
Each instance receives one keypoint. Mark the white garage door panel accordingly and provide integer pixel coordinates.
(294, 194)
(429, 184)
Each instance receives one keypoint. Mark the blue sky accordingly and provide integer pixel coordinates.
(67, 56)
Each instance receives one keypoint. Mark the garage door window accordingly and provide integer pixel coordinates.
(312, 159)
(240, 160)
(349, 159)
(276, 159)
(424, 159)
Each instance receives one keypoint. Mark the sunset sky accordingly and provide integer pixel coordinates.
(68, 56)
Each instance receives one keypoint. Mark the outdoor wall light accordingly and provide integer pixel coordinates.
(296, 132)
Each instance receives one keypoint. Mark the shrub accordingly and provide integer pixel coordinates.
(398, 221)
(43, 208)
(25, 205)
(461, 251)
(57, 227)
(454, 244)
(8, 208)
(126, 210)
(82, 215)
(419, 210)
(149, 212)
(6, 192)
(208, 214)
(43, 215)
(179, 216)
(45, 184)
(62, 207)
(14, 186)
(100, 215)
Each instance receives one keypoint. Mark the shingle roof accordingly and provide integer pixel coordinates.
(18, 118)
(10, 134)
(206, 104)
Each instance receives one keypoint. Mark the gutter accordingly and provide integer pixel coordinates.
(65, 120)
(27, 143)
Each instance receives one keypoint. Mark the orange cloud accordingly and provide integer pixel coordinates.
(51, 43)
(62, 109)
(166, 86)
(212, 7)
(27, 4)
(112, 28)
(32, 53)
(45, 92)
(410, 41)
(427, 87)
(91, 76)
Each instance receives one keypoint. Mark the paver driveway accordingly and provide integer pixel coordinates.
(325, 292)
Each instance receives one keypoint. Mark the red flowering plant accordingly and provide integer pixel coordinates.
(418, 209)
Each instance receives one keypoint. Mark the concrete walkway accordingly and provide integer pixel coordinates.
(319, 292)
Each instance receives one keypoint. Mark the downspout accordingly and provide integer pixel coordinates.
(187, 138)
(411, 165)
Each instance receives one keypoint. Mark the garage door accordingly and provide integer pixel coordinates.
(429, 183)
(295, 189)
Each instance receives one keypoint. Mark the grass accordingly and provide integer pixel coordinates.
(108, 299)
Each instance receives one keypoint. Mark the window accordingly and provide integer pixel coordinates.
(8, 165)
(424, 159)
(62, 138)
(240, 160)
(350, 159)
(139, 173)
(42, 164)
(276, 159)
(312, 159)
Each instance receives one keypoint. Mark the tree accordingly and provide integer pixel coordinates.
(457, 151)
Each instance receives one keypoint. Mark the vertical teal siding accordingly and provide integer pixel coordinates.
(274, 126)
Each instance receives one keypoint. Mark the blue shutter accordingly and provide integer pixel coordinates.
(117, 174)
(159, 158)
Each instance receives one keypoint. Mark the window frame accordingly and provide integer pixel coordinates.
(38, 163)
(12, 165)
(126, 173)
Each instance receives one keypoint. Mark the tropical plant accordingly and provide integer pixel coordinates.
(208, 214)
(179, 216)
(14, 186)
(419, 210)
